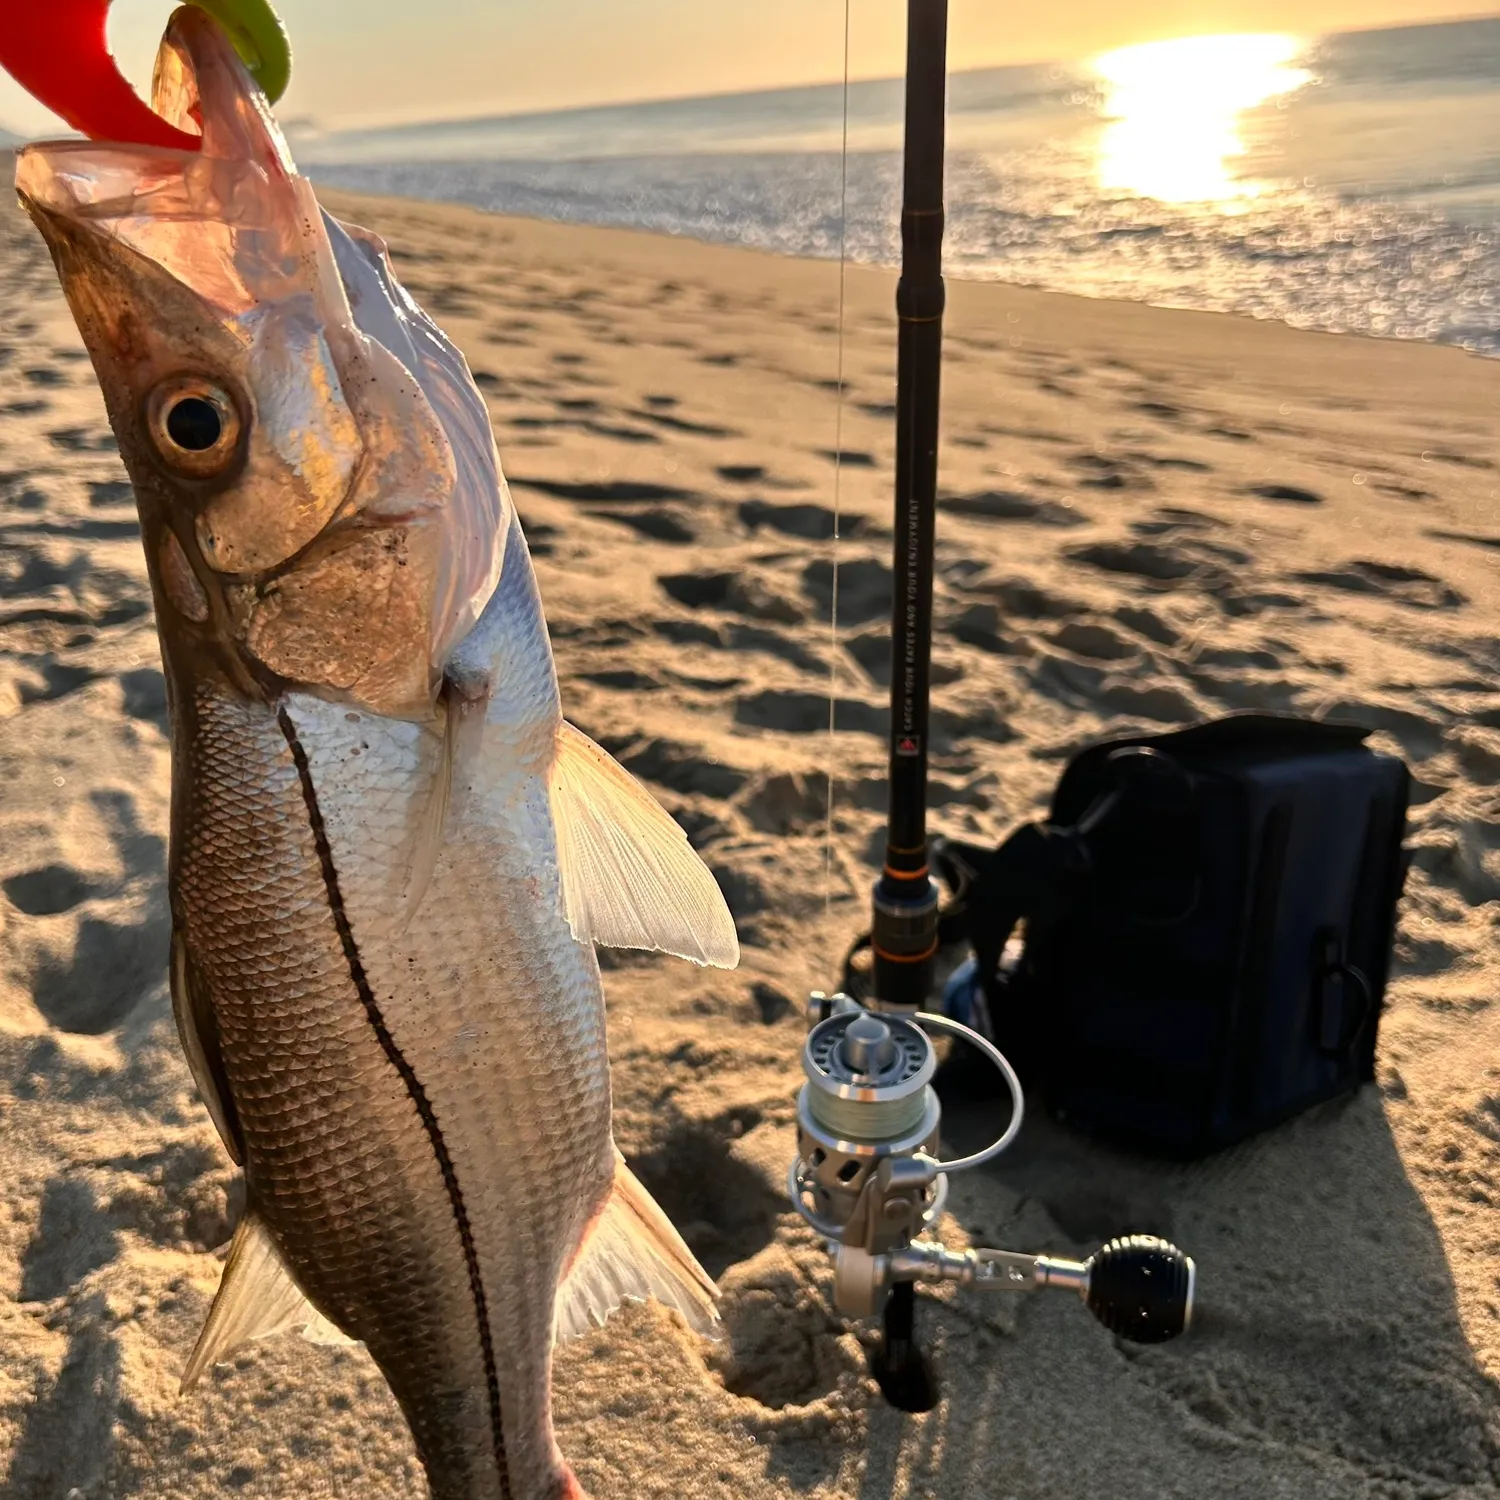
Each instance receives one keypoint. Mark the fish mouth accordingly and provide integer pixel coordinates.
(201, 86)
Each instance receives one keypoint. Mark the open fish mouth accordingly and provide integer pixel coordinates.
(329, 500)
(200, 86)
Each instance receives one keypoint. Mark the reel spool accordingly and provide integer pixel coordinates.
(867, 1100)
(866, 1177)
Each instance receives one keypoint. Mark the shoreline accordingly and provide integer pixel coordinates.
(952, 275)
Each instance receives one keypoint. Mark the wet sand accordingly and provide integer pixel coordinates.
(1148, 516)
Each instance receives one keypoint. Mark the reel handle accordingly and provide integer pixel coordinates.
(1141, 1288)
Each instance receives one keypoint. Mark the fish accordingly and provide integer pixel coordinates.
(391, 857)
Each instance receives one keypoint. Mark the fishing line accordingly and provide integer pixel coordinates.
(838, 471)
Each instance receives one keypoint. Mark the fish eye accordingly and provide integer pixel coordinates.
(194, 426)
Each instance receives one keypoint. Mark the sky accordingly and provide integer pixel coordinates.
(358, 62)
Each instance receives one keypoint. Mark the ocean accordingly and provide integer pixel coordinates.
(1348, 182)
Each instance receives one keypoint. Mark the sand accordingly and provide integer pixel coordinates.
(1150, 516)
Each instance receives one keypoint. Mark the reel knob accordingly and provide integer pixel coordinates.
(1141, 1288)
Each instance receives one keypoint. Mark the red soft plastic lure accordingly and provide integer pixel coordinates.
(58, 51)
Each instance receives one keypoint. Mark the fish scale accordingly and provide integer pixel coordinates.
(335, 1157)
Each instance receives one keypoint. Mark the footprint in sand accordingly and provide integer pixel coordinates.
(680, 767)
(83, 439)
(1161, 410)
(1148, 623)
(28, 498)
(872, 650)
(1170, 461)
(1094, 640)
(141, 852)
(622, 680)
(1468, 538)
(1101, 473)
(1158, 701)
(864, 586)
(106, 492)
(814, 523)
(657, 523)
(1170, 519)
(978, 625)
(794, 711)
(144, 695)
(58, 680)
(48, 891)
(1477, 750)
(1409, 586)
(73, 1238)
(682, 424)
(1017, 597)
(736, 636)
(113, 964)
(1291, 494)
(737, 593)
(1146, 560)
(756, 474)
(605, 491)
(784, 802)
(1007, 505)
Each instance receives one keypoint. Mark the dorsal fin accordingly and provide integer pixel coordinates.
(631, 1251)
(630, 878)
(257, 1298)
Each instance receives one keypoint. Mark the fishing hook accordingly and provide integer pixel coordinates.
(59, 53)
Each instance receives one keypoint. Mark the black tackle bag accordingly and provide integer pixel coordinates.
(1205, 925)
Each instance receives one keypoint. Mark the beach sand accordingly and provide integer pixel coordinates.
(1149, 516)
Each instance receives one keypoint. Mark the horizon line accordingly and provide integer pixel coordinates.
(312, 122)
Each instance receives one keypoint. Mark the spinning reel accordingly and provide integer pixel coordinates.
(867, 1178)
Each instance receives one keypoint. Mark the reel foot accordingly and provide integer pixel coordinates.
(900, 1368)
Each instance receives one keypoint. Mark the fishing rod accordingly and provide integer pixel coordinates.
(867, 1176)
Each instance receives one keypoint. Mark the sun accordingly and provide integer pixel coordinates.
(1174, 112)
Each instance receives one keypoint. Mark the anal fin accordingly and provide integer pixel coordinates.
(632, 1252)
(257, 1299)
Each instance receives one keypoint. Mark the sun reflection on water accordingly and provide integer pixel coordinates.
(1175, 112)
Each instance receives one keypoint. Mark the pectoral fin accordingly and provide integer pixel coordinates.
(257, 1298)
(630, 878)
(632, 1252)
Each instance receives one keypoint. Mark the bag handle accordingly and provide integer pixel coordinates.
(1330, 966)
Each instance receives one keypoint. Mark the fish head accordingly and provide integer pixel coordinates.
(319, 493)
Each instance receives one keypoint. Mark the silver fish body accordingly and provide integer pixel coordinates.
(390, 856)
(425, 1115)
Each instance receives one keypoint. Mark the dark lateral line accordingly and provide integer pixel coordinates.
(408, 1076)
